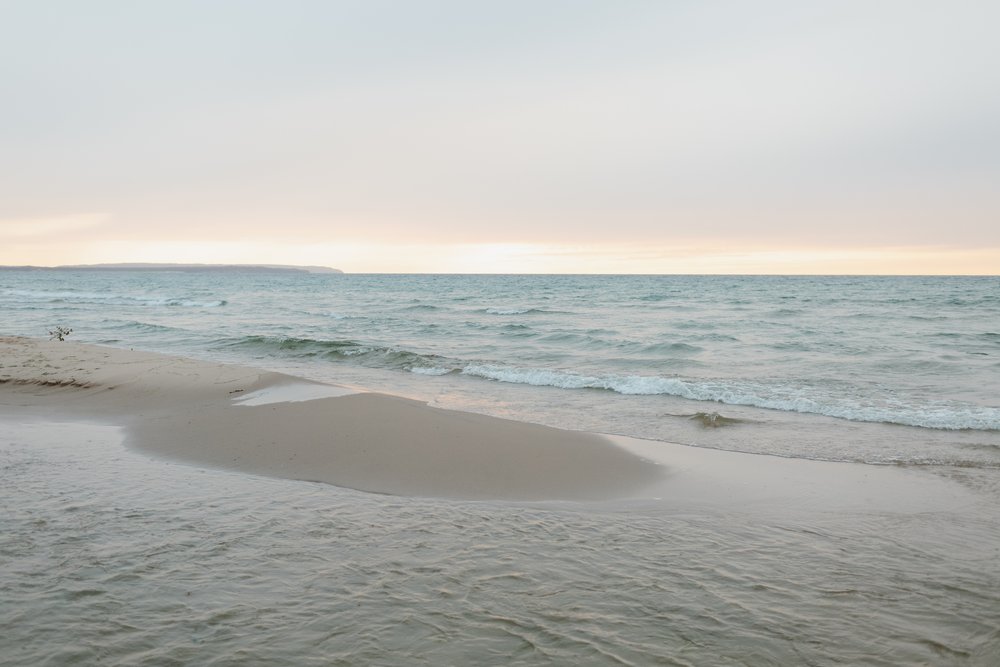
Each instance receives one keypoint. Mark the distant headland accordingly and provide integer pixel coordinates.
(188, 268)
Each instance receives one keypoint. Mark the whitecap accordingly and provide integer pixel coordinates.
(787, 398)
(430, 370)
(508, 311)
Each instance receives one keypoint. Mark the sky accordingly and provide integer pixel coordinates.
(542, 136)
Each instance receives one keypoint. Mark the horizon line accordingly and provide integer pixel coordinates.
(126, 266)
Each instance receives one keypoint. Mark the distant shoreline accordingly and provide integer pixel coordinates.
(189, 268)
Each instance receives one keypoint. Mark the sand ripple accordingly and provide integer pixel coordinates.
(110, 557)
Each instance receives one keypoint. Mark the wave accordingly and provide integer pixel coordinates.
(734, 392)
(775, 396)
(656, 297)
(337, 350)
(519, 311)
(670, 348)
(717, 338)
(115, 299)
(973, 301)
(420, 308)
(432, 370)
(146, 327)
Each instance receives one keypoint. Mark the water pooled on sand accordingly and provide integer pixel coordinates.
(115, 558)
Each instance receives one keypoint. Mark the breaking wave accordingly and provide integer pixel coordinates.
(771, 396)
(336, 350)
(783, 396)
(431, 370)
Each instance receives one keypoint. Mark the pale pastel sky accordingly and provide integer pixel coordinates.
(508, 136)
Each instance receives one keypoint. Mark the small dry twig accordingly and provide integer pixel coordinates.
(59, 333)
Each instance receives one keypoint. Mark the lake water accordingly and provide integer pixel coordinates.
(110, 557)
(871, 369)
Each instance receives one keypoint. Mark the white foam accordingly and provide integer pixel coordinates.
(508, 311)
(732, 392)
(430, 370)
(291, 393)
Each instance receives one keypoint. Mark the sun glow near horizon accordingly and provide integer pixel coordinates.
(360, 256)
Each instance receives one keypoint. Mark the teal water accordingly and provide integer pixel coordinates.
(110, 557)
(813, 367)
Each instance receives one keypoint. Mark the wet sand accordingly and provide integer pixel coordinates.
(267, 423)
(278, 425)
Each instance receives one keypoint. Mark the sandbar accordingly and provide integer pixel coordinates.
(267, 423)
(273, 424)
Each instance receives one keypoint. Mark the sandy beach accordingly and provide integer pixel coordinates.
(500, 334)
(267, 423)
(158, 513)
(278, 425)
